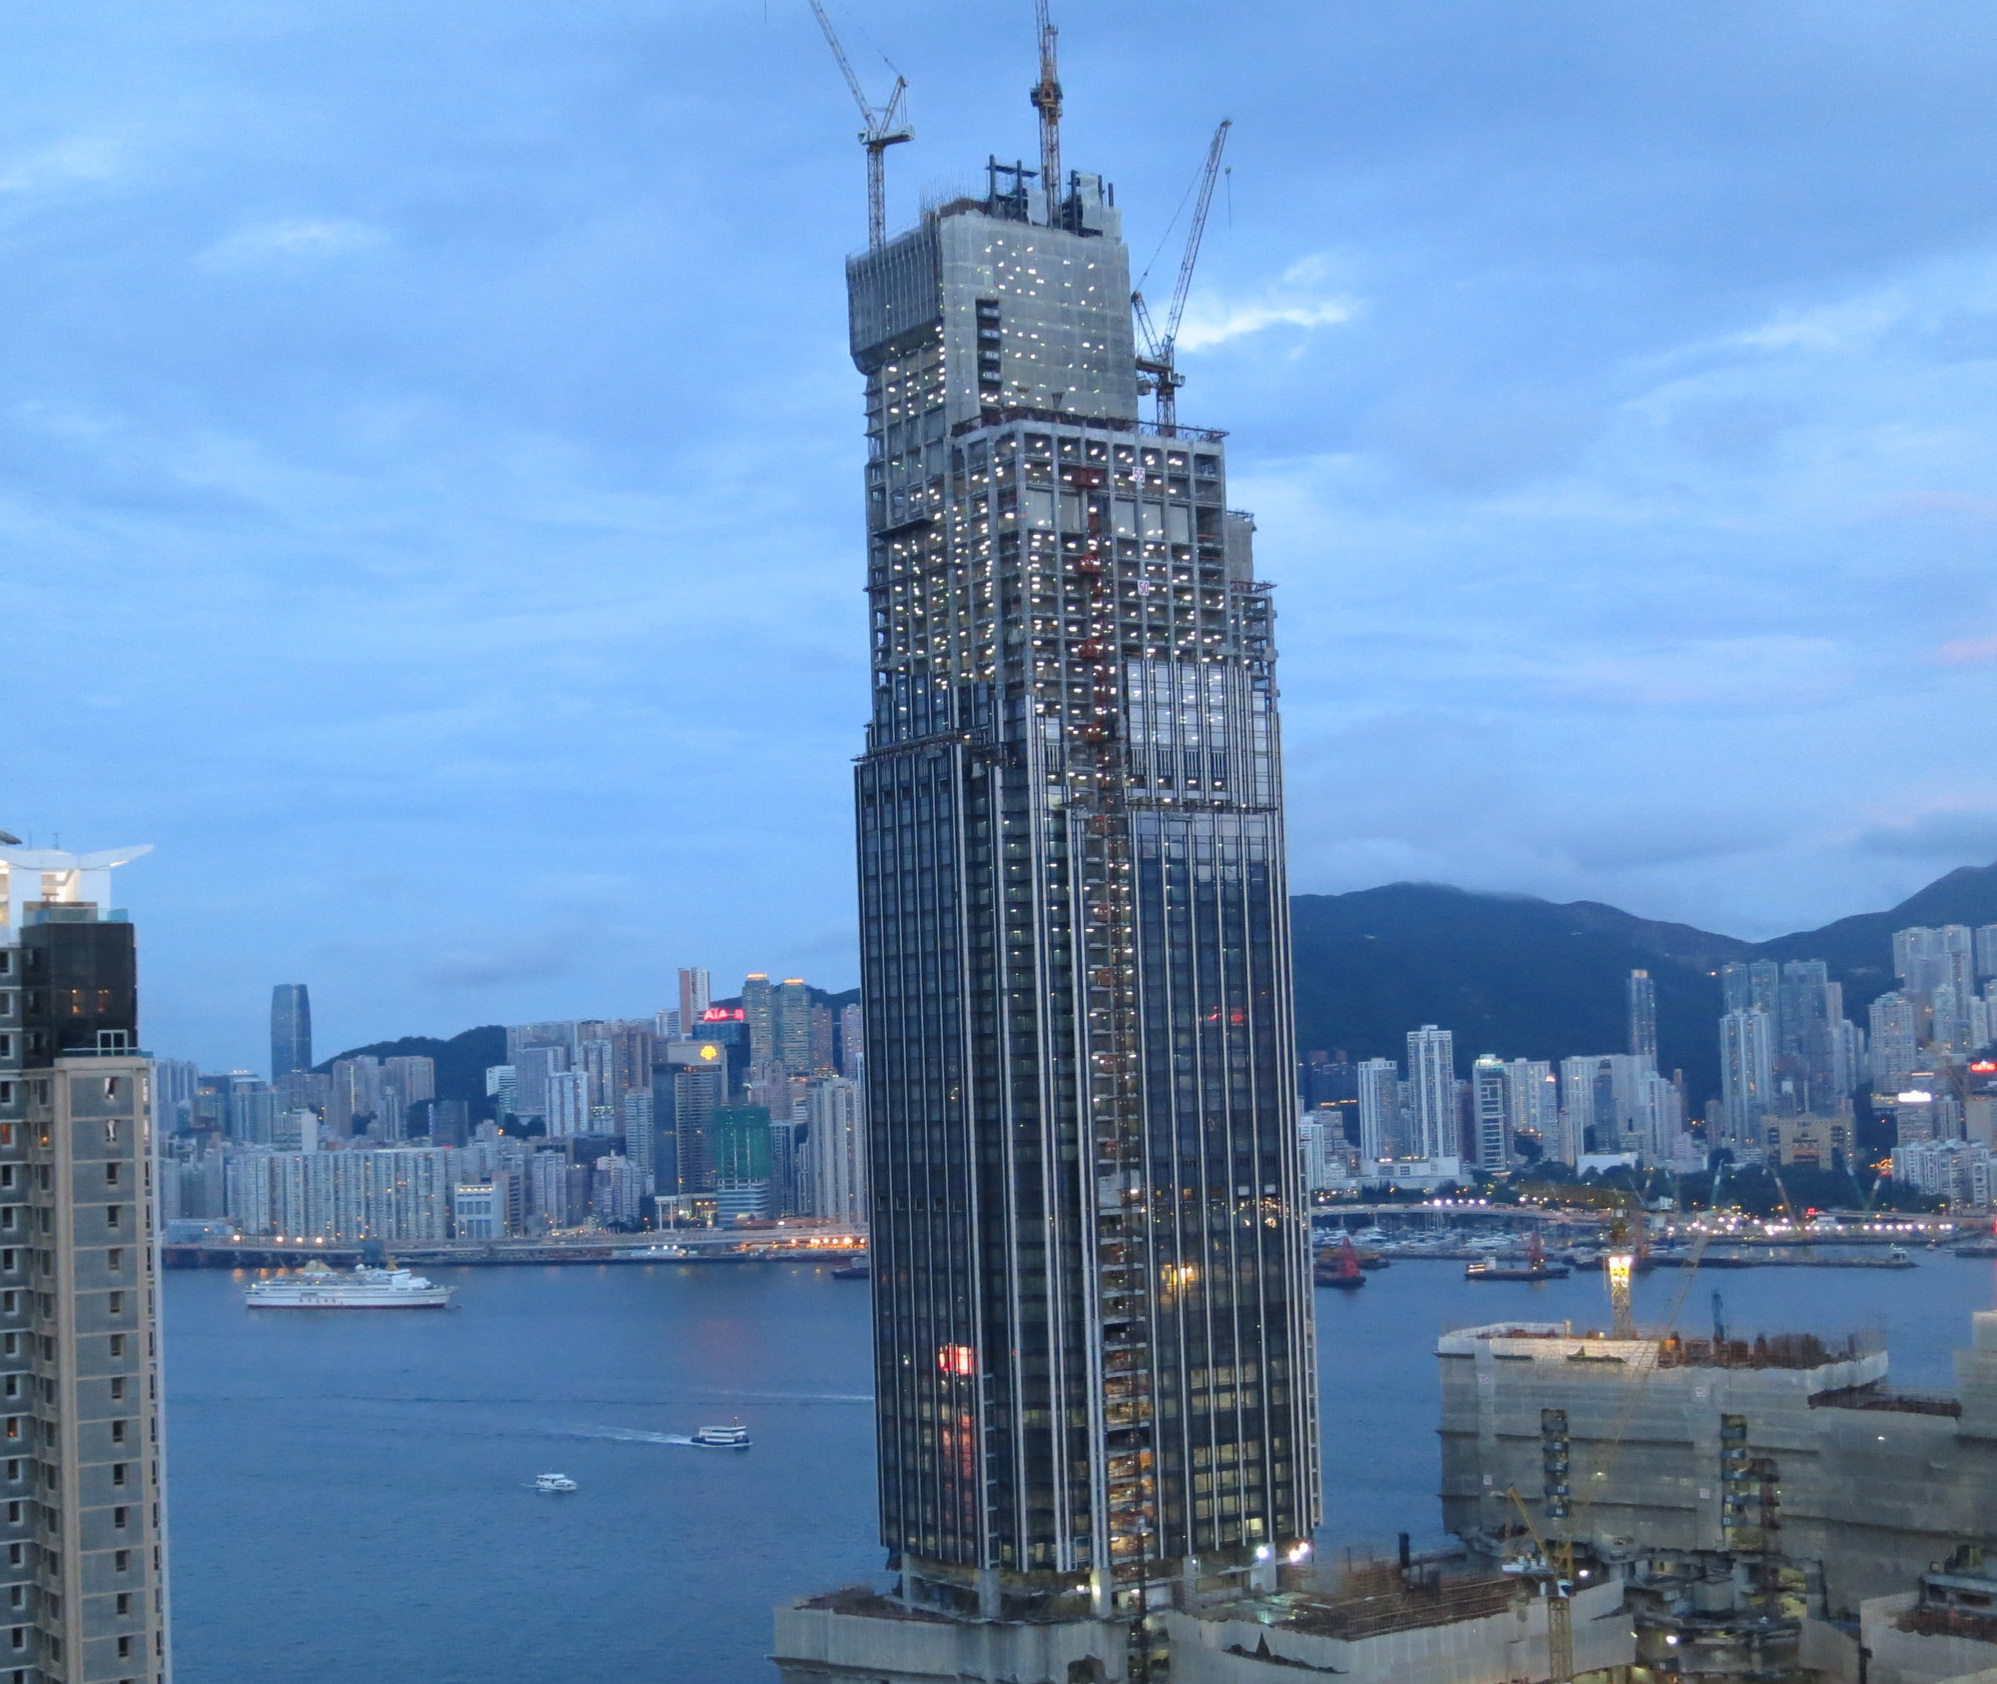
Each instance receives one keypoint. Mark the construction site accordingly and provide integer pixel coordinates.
(1095, 1354)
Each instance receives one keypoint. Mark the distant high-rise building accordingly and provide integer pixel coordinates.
(356, 1096)
(741, 1146)
(562, 1036)
(1752, 985)
(290, 1030)
(790, 1027)
(759, 1015)
(1985, 946)
(641, 1139)
(534, 1068)
(837, 1149)
(175, 1083)
(695, 997)
(597, 1061)
(1896, 1041)
(82, 1534)
(852, 1044)
(568, 1104)
(688, 1086)
(1806, 1040)
(407, 1081)
(635, 1049)
(1532, 1101)
(1431, 1093)
(1747, 1074)
(501, 1085)
(1379, 1112)
(1643, 1015)
(616, 1189)
(1490, 1113)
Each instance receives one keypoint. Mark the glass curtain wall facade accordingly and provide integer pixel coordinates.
(1091, 1280)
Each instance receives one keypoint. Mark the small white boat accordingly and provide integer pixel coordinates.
(553, 1482)
(722, 1438)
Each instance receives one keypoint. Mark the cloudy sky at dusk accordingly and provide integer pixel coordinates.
(428, 458)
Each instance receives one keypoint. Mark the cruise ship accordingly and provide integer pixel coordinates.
(316, 1287)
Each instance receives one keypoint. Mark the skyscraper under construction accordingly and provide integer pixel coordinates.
(1095, 1371)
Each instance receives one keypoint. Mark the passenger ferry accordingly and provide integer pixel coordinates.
(722, 1438)
(316, 1287)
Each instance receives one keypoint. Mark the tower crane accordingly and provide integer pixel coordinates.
(886, 125)
(1046, 97)
(1157, 365)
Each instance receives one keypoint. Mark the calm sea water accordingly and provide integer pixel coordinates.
(349, 1491)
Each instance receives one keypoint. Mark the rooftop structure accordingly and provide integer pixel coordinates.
(1786, 1447)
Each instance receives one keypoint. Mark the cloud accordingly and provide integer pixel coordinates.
(1956, 836)
(1849, 325)
(292, 241)
(1968, 651)
(1296, 300)
(65, 163)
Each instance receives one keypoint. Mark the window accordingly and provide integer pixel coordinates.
(117, 1344)
(117, 1432)
(111, 1175)
(118, 1387)
(121, 1561)
(114, 1215)
(114, 1260)
(117, 1304)
(118, 1473)
(124, 1602)
(121, 1518)
(124, 1646)
(18, 1637)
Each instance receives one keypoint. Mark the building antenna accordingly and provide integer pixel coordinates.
(1046, 96)
(1158, 364)
(886, 125)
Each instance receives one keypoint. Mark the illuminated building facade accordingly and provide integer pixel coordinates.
(1095, 1371)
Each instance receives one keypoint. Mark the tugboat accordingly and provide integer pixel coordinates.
(856, 1270)
(553, 1482)
(1535, 1268)
(1343, 1271)
(722, 1438)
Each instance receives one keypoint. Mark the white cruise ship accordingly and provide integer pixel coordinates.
(316, 1287)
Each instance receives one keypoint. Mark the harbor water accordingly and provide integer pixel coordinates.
(351, 1491)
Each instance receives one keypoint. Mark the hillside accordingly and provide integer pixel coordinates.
(461, 1061)
(1509, 974)
(1537, 979)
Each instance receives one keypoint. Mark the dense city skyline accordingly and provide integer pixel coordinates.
(1632, 565)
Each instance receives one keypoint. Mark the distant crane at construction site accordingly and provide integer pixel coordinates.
(885, 126)
(1158, 363)
(1046, 97)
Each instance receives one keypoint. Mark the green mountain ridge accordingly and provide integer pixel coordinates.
(1531, 978)
(1509, 974)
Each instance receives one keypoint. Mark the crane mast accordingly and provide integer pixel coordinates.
(885, 126)
(1046, 97)
(1158, 364)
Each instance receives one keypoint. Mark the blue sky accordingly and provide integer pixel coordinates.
(428, 458)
